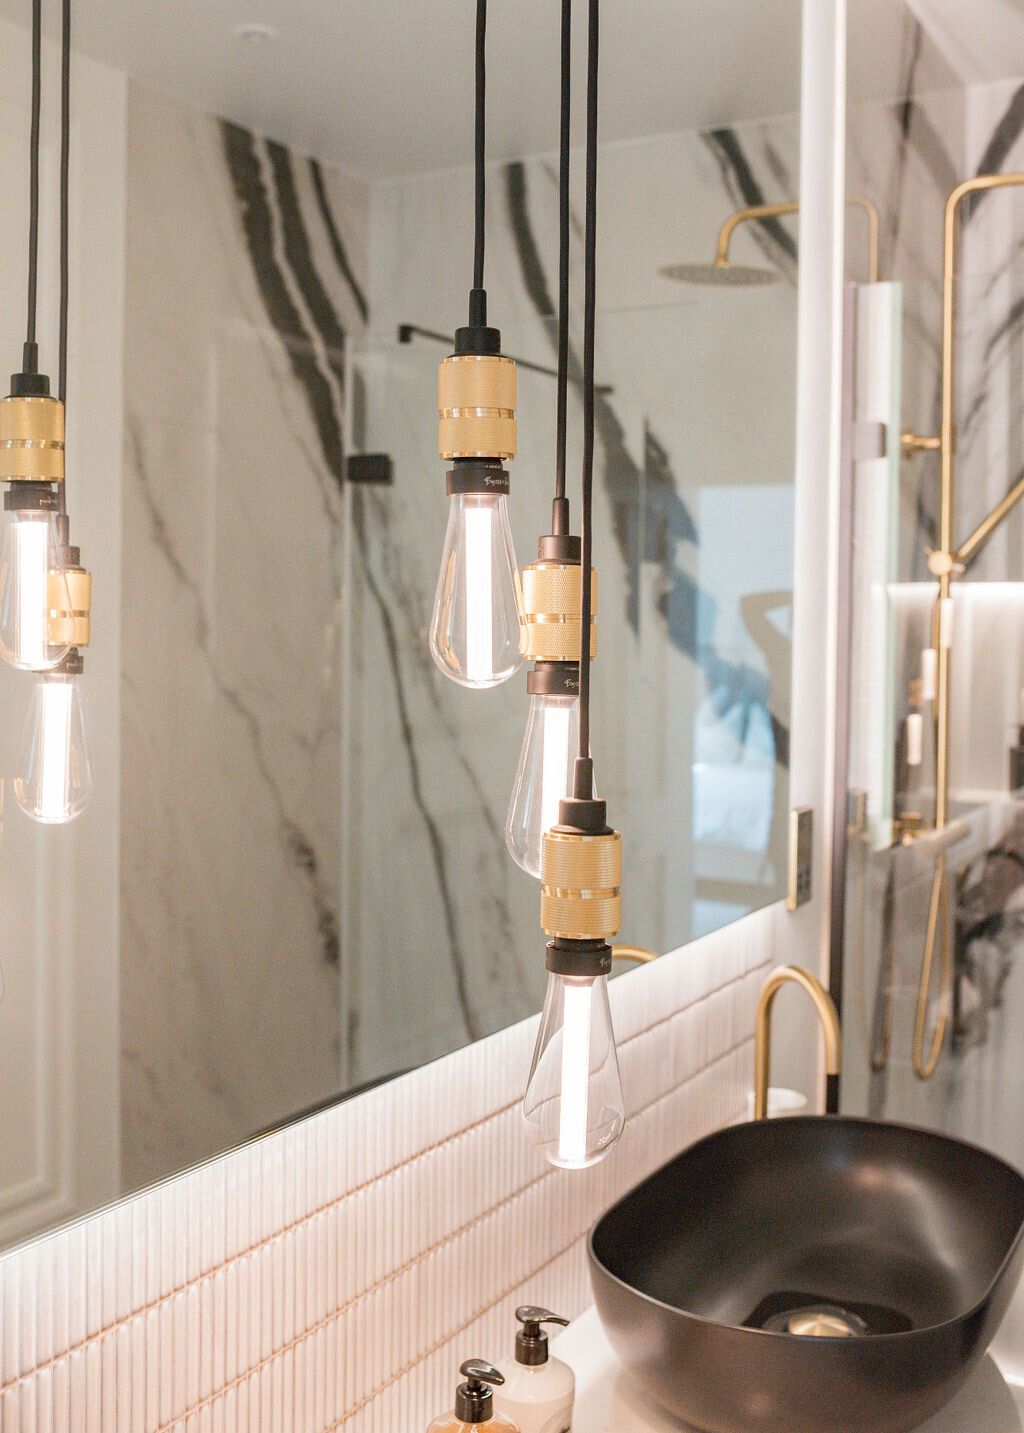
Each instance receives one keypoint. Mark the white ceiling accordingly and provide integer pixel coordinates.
(384, 87)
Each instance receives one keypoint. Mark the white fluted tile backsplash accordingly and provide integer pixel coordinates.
(333, 1275)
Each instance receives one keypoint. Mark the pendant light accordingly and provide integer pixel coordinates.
(32, 576)
(573, 1108)
(54, 775)
(475, 624)
(552, 590)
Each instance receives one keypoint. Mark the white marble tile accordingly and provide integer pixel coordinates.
(233, 574)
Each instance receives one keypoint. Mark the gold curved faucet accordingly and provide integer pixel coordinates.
(638, 953)
(827, 1014)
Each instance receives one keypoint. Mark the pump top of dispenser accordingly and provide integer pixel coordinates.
(531, 1340)
(474, 1400)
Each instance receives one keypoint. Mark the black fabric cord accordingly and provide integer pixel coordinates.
(481, 92)
(65, 168)
(65, 174)
(30, 364)
(584, 769)
(563, 252)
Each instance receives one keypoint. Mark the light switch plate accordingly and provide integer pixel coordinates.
(801, 835)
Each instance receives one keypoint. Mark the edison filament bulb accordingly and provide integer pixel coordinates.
(54, 774)
(573, 1109)
(475, 626)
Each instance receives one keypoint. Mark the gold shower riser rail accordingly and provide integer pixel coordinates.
(945, 564)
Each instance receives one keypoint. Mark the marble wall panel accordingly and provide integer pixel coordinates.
(245, 282)
(701, 400)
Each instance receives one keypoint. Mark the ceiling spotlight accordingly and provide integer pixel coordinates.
(255, 33)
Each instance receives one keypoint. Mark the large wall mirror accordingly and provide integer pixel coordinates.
(292, 877)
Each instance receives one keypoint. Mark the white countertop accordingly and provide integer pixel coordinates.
(608, 1401)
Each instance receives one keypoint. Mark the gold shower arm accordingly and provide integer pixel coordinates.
(756, 211)
(773, 211)
(988, 525)
(744, 216)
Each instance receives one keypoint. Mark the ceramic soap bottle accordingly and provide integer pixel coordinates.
(474, 1403)
(539, 1390)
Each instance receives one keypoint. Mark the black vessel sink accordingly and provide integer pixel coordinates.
(810, 1275)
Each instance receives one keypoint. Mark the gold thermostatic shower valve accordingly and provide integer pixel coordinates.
(31, 440)
(476, 402)
(552, 598)
(70, 601)
(580, 885)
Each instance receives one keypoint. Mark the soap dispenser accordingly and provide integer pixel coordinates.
(474, 1402)
(539, 1390)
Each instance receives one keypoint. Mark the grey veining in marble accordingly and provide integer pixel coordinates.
(243, 264)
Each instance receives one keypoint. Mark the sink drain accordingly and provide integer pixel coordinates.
(816, 1321)
(810, 1314)
(825, 1323)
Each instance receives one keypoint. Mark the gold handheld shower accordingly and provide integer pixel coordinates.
(723, 271)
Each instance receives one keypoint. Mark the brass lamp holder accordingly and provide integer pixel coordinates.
(476, 393)
(552, 601)
(70, 596)
(581, 878)
(31, 432)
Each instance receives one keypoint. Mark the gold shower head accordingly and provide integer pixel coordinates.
(721, 272)
(749, 275)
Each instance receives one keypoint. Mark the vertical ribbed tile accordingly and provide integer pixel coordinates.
(335, 1274)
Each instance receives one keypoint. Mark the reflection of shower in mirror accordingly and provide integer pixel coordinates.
(723, 272)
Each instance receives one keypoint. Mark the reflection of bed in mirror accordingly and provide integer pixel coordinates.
(740, 756)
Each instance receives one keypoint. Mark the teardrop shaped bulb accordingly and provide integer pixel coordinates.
(573, 1108)
(54, 779)
(543, 777)
(33, 583)
(476, 622)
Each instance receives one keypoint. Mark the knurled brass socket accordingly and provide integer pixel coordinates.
(69, 597)
(580, 879)
(31, 440)
(476, 403)
(551, 612)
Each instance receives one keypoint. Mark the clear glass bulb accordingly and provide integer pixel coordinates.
(54, 779)
(544, 775)
(33, 582)
(573, 1109)
(475, 626)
